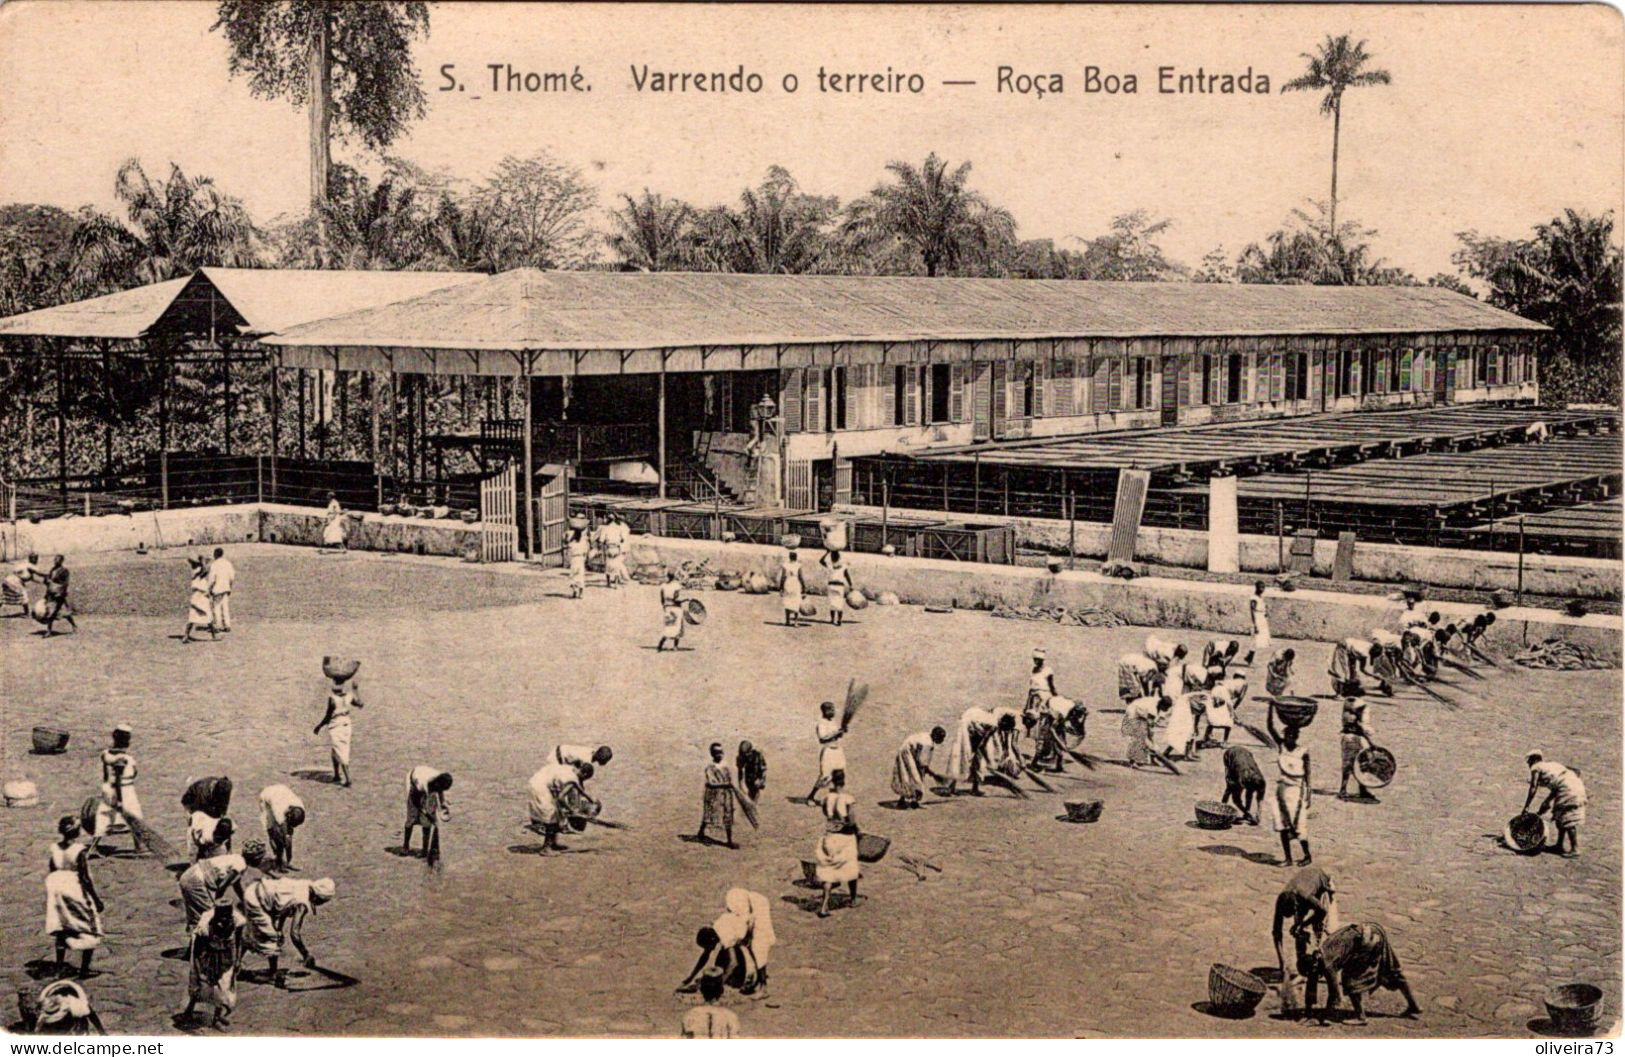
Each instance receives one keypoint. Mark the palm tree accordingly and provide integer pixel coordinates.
(651, 233)
(176, 227)
(930, 211)
(1337, 67)
(777, 230)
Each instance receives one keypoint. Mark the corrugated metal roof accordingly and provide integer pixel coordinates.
(125, 314)
(269, 299)
(277, 299)
(526, 309)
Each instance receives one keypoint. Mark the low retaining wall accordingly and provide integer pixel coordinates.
(1326, 616)
(218, 525)
(1150, 601)
(1543, 574)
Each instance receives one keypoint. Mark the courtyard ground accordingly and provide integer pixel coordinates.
(1033, 926)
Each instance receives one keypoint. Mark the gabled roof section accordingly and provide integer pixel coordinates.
(526, 309)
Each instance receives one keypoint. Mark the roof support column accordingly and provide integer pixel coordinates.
(62, 421)
(271, 364)
(225, 385)
(660, 426)
(530, 469)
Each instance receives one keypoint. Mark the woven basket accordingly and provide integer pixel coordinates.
(1374, 767)
(809, 608)
(694, 611)
(1526, 833)
(1213, 814)
(857, 599)
(1085, 810)
(1234, 990)
(1575, 1009)
(872, 848)
(790, 542)
(1296, 711)
(49, 741)
(21, 793)
(340, 667)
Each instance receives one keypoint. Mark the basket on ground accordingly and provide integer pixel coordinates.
(48, 740)
(21, 793)
(1575, 1008)
(1526, 833)
(857, 599)
(340, 667)
(1234, 990)
(1213, 814)
(809, 871)
(872, 848)
(694, 611)
(809, 608)
(1084, 810)
(1296, 711)
(1374, 767)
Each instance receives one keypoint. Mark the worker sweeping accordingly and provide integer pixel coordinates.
(1137, 676)
(913, 765)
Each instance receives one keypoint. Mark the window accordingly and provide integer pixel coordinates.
(1025, 400)
(1346, 367)
(1232, 380)
(1142, 383)
(899, 388)
(835, 412)
(1403, 366)
(1302, 390)
(941, 389)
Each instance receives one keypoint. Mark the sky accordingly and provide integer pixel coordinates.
(1497, 117)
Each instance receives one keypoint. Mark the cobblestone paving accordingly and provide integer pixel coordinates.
(1032, 927)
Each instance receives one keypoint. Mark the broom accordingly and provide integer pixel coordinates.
(148, 836)
(856, 694)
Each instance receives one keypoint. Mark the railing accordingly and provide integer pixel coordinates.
(574, 442)
(183, 479)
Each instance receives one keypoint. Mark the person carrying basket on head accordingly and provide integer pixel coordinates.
(341, 701)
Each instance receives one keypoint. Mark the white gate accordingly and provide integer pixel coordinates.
(499, 534)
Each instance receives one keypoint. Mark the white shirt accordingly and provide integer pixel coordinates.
(222, 574)
(277, 799)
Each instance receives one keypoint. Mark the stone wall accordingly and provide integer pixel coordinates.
(1378, 562)
(1326, 616)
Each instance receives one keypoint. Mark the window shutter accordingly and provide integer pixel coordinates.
(1246, 377)
(956, 402)
(911, 395)
(1040, 388)
(888, 397)
(1100, 386)
(1061, 388)
(1405, 370)
(927, 391)
(726, 424)
(815, 400)
(854, 397)
(1114, 385)
(790, 400)
(1001, 395)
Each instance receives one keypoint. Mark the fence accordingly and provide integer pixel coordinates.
(177, 479)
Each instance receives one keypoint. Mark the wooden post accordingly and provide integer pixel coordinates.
(1520, 557)
(163, 479)
(1071, 529)
(62, 423)
(976, 484)
(1280, 538)
(885, 511)
(530, 474)
(301, 412)
(276, 417)
(660, 430)
(107, 423)
(259, 479)
(225, 367)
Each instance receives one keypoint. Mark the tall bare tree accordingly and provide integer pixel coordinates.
(1339, 64)
(350, 63)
